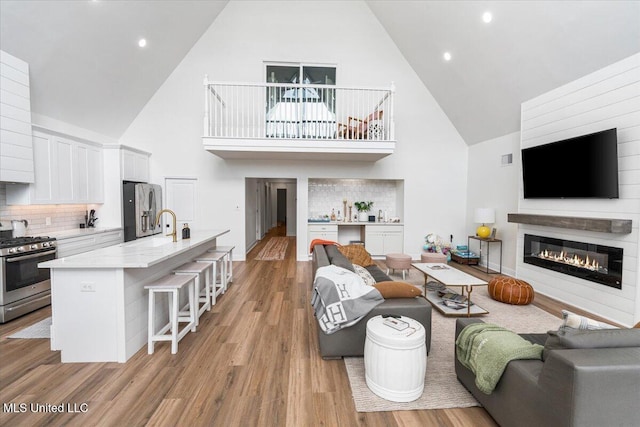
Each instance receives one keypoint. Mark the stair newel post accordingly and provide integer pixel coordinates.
(207, 102)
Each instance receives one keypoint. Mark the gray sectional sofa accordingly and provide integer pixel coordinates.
(587, 378)
(350, 341)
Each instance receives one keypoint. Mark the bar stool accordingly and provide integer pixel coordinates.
(171, 285)
(218, 268)
(198, 268)
(228, 251)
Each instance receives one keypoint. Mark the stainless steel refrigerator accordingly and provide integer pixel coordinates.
(141, 204)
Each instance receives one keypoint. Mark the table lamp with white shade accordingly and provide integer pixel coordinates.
(484, 216)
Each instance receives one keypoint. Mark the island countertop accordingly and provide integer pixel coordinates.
(141, 253)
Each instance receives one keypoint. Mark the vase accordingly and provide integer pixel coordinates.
(363, 216)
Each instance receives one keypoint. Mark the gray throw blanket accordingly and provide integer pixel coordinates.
(340, 298)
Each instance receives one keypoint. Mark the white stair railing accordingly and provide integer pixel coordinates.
(297, 111)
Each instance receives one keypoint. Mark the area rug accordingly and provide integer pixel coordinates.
(442, 388)
(42, 329)
(274, 250)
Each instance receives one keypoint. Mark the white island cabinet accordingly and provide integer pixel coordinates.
(98, 302)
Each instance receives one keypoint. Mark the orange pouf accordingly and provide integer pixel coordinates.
(511, 291)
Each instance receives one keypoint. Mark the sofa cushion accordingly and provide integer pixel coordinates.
(337, 258)
(603, 338)
(392, 289)
(378, 274)
(535, 338)
(365, 275)
(357, 254)
(575, 321)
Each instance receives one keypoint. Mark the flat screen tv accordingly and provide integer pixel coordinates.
(582, 167)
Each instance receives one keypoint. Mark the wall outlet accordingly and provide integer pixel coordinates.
(47, 220)
(87, 287)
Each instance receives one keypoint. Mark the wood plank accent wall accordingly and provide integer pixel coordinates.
(607, 98)
(16, 147)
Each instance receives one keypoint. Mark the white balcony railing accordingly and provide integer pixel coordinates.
(297, 111)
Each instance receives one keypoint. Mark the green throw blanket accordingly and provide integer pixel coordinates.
(486, 349)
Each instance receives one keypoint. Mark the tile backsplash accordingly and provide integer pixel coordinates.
(63, 217)
(327, 194)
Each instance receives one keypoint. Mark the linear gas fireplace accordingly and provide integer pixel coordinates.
(596, 263)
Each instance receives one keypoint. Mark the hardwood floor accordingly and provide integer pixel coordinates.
(253, 362)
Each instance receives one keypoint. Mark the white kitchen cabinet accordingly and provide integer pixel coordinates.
(16, 146)
(135, 165)
(66, 172)
(89, 179)
(78, 244)
(63, 171)
(384, 239)
(42, 190)
(95, 177)
(322, 231)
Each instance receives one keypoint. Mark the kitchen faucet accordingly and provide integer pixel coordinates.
(173, 214)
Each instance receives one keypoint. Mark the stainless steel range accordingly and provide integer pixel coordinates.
(25, 287)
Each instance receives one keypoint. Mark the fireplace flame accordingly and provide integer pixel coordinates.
(574, 260)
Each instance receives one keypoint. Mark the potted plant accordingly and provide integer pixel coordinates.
(363, 209)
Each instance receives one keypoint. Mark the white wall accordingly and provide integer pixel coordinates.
(430, 156)
(251, 204)
(605, 99)
(493, 185)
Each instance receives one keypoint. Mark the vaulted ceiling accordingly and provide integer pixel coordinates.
(84, 62)
(86, 68)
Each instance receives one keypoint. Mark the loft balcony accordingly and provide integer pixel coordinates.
(298, 121)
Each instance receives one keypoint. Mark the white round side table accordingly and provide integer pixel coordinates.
(395, 361)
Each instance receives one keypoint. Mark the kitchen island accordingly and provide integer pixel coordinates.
(98, 302)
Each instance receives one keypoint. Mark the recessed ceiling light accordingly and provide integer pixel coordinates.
(487, 17)
(447, 56)
(142, 42)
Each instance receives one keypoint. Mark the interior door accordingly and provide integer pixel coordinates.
(181, 198)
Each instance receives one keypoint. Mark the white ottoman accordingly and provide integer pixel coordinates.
(395, 361)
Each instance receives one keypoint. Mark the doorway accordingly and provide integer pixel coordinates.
(269, 202)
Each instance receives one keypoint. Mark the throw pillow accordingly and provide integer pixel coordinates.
(397, 290)
(337, 258)
(575, 321)
(357, 254)
(366, 276)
